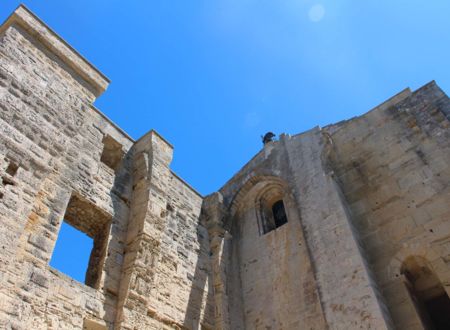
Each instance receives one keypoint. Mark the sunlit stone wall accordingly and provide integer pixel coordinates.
(366, 242)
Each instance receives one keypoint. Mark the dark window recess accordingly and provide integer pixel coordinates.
(279, 213)
(6, 181)
(12, 169)
(87, 219)
(272, 215)
(112, 153)
(7, 178)
(428, 294)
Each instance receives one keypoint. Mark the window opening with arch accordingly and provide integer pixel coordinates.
(271, 210)
(427, 292)
(279, 213)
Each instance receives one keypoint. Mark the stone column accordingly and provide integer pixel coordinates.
(219, 238)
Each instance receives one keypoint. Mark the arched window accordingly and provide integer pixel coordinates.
(279, 213)
(270, 206)
(430, 298)
(272, 215)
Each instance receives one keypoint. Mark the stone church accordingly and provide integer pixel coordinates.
(340, 227)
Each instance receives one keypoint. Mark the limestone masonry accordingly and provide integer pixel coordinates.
(341, 227)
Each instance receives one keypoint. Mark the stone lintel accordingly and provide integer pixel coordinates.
(28, 21)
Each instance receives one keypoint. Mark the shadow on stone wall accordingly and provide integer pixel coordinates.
(201, 283)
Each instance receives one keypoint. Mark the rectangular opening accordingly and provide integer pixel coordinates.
(112, 153)
(279, 213)
(82, 242)
(10, 171)
(72, 251)
(272, 215)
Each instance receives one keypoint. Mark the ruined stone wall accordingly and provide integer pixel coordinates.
(361, 198)
(62, 159)
(392, 167)
(50, 131)
(184, 278)
(165, 283)
(321, 283)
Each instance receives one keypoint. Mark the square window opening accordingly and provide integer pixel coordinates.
(112, 153)
(82, 242)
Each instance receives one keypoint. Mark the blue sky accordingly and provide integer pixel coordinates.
(212, 76)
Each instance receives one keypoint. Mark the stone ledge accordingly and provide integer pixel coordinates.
(24, 18)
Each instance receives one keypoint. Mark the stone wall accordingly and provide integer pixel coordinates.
(299, 264)
(62, 159)
(392, 167)
(52, 134)
(366, 202)
(165, 281)
(276, 279)
(363, 197)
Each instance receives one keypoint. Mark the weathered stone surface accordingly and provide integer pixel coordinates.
(366, 202)
(62, 159)
(39, 279)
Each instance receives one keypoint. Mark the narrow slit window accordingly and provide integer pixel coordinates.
(81, 246)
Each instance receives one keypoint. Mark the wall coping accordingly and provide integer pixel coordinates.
(24, 18)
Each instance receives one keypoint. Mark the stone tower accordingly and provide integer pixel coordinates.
(341, 227)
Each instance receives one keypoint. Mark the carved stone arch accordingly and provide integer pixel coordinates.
(419, 275)
(243, 192)
(414, 268)
(271, 200)
(419, 250)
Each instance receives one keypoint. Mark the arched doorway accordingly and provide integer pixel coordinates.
(430, 298)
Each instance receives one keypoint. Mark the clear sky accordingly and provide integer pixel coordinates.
(212, 76)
